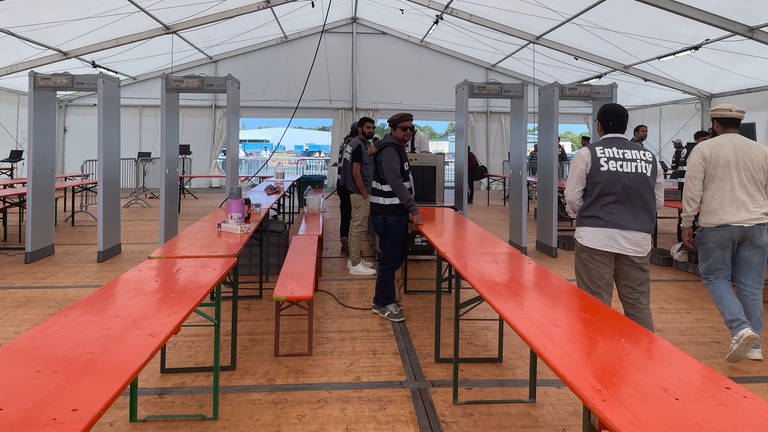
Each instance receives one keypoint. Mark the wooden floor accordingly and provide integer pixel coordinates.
(366, 373)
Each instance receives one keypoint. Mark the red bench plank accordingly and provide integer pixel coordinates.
(312, 224)
(296, 281)
(64, 373)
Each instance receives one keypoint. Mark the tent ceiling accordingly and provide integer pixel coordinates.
(531, 40)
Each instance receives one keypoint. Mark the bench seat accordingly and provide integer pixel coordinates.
(64, 373)
(296, 286)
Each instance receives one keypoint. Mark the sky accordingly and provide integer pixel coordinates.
(309, 123)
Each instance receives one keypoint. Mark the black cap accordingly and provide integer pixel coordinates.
(398, 118)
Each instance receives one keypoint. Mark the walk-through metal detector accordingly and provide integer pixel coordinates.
(41, 174)
(169, 141)
(550, 96)
(517, 94)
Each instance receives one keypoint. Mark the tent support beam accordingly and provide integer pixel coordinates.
(138, 37)
(710, 19)
(566, 49)
(451, 53)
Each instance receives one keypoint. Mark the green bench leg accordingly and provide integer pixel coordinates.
(133, 409)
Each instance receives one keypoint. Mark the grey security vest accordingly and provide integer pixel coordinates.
(366, 166)
(383, 198)
(620, 190)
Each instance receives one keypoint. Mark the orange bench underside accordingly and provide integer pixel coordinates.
(629, 377)
(64, 373)
(294, 285)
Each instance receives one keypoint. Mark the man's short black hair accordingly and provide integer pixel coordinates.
(728, 123)
(637, 128)
(613, 117)
(585, 138)
(700, 134)
(365, 120)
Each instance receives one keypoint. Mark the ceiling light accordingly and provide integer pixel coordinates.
(685, 52)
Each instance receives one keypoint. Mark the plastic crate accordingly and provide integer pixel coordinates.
(275, 249)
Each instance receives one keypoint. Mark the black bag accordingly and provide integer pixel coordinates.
(478, 173)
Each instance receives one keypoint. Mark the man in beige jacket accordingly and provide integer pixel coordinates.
(726, 185)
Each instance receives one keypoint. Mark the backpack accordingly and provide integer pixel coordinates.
(478, 172)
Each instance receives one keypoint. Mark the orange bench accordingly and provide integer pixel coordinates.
(627, 377)
(296, 286)
(64, 373)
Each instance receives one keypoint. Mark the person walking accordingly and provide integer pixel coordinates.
(613, 191)
(472, 165)
(358, 175)
(392, 206)
(726, 185)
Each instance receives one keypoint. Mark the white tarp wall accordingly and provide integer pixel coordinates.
(13, 127)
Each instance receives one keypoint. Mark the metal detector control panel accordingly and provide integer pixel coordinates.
(586, 92)
(494, 90)
(68, 82)
(196, 84)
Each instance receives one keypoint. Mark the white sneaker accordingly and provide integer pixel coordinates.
(363, 262)
(741, 343)
(754, 354)
(361, 270)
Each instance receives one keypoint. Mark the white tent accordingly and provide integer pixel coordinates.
(376, 57)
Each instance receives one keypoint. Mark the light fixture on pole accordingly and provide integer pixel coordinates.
(592, 79)
(681, 53)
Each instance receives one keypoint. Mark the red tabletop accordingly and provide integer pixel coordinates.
(202, 239)
(533, 179)
(63, 374)
(450, 232)
(629, 377)
(674, 204)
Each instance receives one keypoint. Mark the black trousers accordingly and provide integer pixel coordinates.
(345, 207)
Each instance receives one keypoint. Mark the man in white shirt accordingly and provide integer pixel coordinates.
(613, 190)
(726, 185)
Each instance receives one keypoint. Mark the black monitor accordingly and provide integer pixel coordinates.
(144, 155)
(184, 150)
(749, 130)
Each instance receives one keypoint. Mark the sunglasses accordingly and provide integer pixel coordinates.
(407, 128)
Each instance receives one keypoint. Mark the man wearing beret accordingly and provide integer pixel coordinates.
(614, 188)
(726, 185)
(392, 206)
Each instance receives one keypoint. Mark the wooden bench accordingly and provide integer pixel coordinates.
(64, 373)
(312, 224)
(296, 286)
(629, 379)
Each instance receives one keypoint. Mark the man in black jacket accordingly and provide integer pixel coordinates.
(392, 206)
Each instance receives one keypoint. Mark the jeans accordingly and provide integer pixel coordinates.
(392, 230)
(735, 253)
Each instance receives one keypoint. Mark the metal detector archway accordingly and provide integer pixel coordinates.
(169, 151)
(550, 96)
(43, 108)
(517, 94)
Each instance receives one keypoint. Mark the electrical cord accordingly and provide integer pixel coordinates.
(343, 304)
(301, 96)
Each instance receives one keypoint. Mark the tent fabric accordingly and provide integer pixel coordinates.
(383, 56)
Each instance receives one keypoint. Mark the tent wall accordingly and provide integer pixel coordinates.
(13, 126)
(140, 131)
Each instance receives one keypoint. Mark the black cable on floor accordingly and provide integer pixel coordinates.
(342, 304)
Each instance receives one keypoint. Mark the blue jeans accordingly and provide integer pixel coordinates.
(393, 236)
(735, 253)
